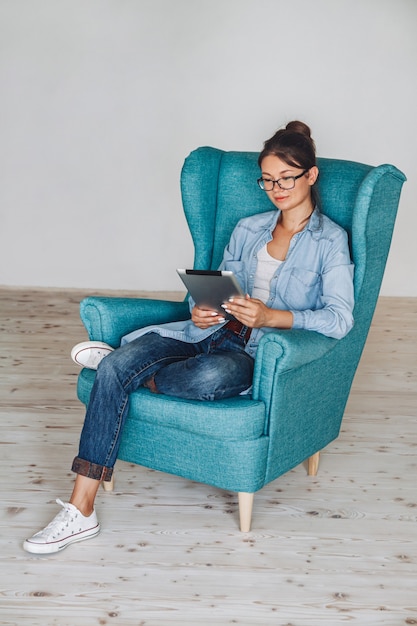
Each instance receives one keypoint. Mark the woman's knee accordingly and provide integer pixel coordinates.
(206, 377)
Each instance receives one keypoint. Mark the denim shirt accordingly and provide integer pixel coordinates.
(315, 282)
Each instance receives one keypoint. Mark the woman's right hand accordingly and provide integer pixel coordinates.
(205, 318)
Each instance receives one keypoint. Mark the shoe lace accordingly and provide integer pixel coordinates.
(61, 521)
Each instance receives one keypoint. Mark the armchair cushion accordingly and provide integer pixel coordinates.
(245, 416)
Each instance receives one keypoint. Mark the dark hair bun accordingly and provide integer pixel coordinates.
(299, 127)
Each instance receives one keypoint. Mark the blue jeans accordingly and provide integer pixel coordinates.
(215, 368)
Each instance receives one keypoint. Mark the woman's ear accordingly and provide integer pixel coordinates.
(313, 175)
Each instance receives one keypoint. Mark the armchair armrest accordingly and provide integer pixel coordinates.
(284, 350)
(304, 380)
(109, 319)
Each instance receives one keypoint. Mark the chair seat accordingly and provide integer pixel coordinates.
(234, 419)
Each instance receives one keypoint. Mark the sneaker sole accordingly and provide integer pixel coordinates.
(58, 546)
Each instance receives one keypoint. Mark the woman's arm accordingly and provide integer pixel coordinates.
(333, 314)
(330, 314)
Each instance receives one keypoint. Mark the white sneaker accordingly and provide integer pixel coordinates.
(90, 353)
(67, 527)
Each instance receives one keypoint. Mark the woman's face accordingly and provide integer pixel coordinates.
(286, 199)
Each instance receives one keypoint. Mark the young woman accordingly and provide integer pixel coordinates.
(294, 264)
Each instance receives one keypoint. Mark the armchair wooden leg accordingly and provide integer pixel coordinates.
(313, 464)
(108, 485)
(245, 510)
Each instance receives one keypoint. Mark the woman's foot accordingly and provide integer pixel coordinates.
(90, 353)
(69, 526)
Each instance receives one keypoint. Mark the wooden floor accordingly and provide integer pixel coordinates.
(340, 548)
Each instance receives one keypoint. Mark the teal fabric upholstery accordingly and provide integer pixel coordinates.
(302, 379)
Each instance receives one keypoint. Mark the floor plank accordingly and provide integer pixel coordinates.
(338, 548)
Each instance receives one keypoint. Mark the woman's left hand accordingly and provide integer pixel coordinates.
(255, 314)
(249, 311)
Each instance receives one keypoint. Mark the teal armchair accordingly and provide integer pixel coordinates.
(302, 379)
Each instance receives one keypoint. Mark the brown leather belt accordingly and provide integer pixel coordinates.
(239, 329)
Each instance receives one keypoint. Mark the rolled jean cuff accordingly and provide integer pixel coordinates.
(91, 470)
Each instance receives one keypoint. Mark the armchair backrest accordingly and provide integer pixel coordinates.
(219, 188)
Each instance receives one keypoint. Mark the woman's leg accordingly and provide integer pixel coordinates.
(215, 368)
(206, 376)
(84, 494)
(222, 370)
(118, 375)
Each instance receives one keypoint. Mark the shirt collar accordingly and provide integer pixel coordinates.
(314, 224)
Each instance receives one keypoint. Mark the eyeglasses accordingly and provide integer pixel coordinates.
(288, 182)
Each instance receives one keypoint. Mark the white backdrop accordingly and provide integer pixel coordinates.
(101, 100)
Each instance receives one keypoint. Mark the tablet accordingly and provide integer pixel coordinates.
(210, 289)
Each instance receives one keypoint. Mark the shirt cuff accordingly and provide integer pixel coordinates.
(298, 320)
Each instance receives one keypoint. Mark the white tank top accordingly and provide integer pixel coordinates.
(265, 270)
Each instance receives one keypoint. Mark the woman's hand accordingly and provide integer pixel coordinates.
(254, 313)
(205, 318)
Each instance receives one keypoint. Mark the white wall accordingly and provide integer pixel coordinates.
(101, 100)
